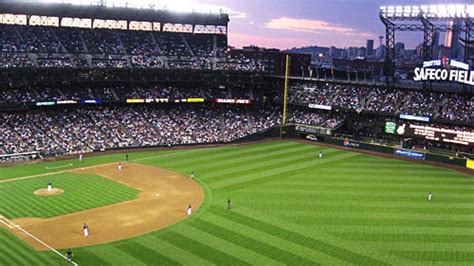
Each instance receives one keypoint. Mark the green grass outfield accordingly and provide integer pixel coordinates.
(289, 207)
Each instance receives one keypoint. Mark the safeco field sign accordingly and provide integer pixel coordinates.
(444, 70)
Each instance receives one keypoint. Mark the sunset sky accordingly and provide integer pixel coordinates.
(286, 24)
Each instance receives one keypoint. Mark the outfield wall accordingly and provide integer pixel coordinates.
(396, 152)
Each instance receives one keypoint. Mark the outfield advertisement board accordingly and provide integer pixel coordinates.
(390, 127)
(431, 132)
(409, 154)
(470, 164)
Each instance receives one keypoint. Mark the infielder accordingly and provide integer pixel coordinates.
(119, 167)
(50, 186)
(85, 228)
(192, 174)
(190, 209)
(429, 196)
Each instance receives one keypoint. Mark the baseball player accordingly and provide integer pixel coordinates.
(126, 157)
(190, 209)
(228, 204)
(85, 228)
(69, 255)
(320, 154)
(119, 166)
(80, 157)
(50, 186)
(429, 196)
(192, 174)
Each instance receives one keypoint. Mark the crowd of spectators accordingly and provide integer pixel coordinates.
(299, 115)
(437, 105)
(40, 46)
(55, 132)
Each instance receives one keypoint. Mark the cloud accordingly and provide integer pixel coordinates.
(238, 39)
(313, 26)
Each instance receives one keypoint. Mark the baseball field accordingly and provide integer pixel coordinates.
(287, 207)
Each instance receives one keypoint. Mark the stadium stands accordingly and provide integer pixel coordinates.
(54, 132)
(39, 46)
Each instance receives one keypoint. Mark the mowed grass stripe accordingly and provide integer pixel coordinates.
(180, 255)
(108, 253)
(287, 170)
(248, 242)
(81, 191)
(345, 192)
(24, 254)
(273, 241)
(364, 179)
(302, 201)
(225, 245)
(219, 154)
(394, 229)
(407, 238)
(88, 257)
(229, 166)
(315, 204)
(322, 181)
(360, 196)
(326, 248)
(206, 252)
(146, 254)
(452, 256)
(257, 167)
(331, 220)
(327, 214)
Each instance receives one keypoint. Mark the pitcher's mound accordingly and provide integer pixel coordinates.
(45, 192)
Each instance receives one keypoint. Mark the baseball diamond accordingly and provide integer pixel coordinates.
(347, 207)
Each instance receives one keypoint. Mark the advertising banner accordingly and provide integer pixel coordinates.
(470, 164)
(445, 69)
(67, 102)
(45, 103)
(94, 101)
(319, 106)
(409, 154)
(233, 101)
(135, 100)
(415, 118)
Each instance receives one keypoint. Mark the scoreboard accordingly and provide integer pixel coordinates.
(430, 132)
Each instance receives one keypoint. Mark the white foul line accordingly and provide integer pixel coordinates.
(13, 225)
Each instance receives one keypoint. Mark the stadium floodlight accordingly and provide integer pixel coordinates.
(170, 5)
(444, 11)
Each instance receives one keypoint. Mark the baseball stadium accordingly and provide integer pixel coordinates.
(140, 136)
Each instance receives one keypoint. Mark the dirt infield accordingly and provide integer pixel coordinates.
(163, 201)
(45, 193)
